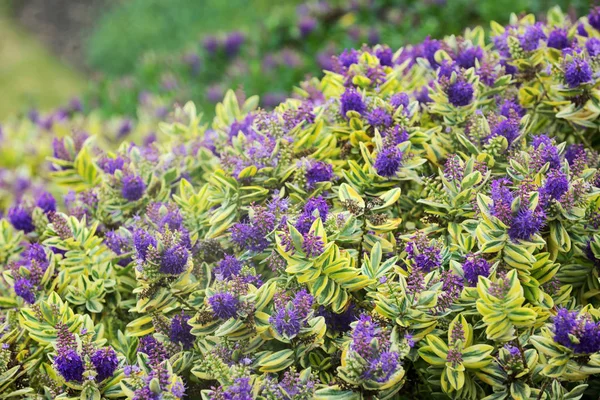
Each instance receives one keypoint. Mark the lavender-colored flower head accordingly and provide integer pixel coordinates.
(211, 44)
(474, 267)
(430, 47)
(592, 46)
(556, 185)
(466, 58)
(558, 39)
(110, 165)
(569, 325)
(180, 331)
(133, 187)
(532, 36)
(228, 268)
(510, 108)
(307, 217)
(233, 43)
(141, 241)
(240, 390)
(526, 223)
(20, 217)
(578, 72)
(594, 18)
(338, 322)
(508, 128)
(502, 198)
(224, 305)
(69, 365)
(154, 349)
(385, 55)
(174, 260)
(105, 363)
(460, 93)
(46, 202)
(351, 100)
(399, 99)
(25, 289)
(388, 161)
(379, 118)
(318, 171)
(348, 57)
(312, 245)
(306, 26)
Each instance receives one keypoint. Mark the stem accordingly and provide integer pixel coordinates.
(523, 359)
(542, 390)
(184, 302)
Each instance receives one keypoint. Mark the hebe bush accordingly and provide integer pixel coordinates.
(417, 224)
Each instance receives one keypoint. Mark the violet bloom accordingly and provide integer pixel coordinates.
(105, 363)
(558, 39)
(307, 217)
(21, 219)
(289, 319)
(24, 288)
(348, 57)
(69, 365)
(46, 202)
(577, 332)
(430, 47)
(119, 245)
(240, 390)
(211, 44)
(110, 165)
(142, 240)
(224, 305)
(466, 58)
(526, 223)
(318, 171)
(379, 118)
(312, 245)
(593, 46)
(400, 99)
(532, 36)
(460, 93)
(233, 43)
(306, 26)
(556, 185)
(578, 72)
(508, 128)
(180, 331)
(474, 267)
(174, 260)
(351, 100)
(338, 322)
(228, 268)
(385, 55)
(133, 187)
(388, 161)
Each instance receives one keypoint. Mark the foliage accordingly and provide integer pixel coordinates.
(416, 224)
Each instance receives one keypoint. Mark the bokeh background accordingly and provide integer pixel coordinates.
(117, 56)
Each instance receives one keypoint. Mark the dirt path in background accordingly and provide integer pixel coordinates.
(63, 25)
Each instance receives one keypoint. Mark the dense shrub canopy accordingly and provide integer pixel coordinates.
(416, 223)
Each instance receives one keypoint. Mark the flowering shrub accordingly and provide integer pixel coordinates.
(420, 223)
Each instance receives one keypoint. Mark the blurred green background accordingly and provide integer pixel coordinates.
(118, 54)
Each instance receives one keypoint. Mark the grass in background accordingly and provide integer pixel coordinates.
(29, 74)
(127, 32)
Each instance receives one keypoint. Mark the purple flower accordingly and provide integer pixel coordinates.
(154, 349)
(594, 18)
(556, 185)
(510, 108)
(286, 321)
(388, 161)
(141, 241)
(180, 331)
(370, 344)
(593, 46)
(385, 55)
(69, 365)
(248, 237)
(105, 363)
(24, 288)
(312, 245)
(430, 47)
(348, 57)
(306, 26)
(573, 152)
(460, 93)
(526, 224)
(474, 267)
(558, 39)
(400, 99)
(119, 245)
(46, 202)
(306, 218)
(569, 325)
(240, 390)
(110, 165)
(21, 219)
(211, 44)
(224, 305)
(228, 268)
(379, 118)
(351, 100)
(133, 187)
(233, 42)
(318, 171)
(466, 58)
(532, 36)
(174, 260)
(508, 128)
(578, 72)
